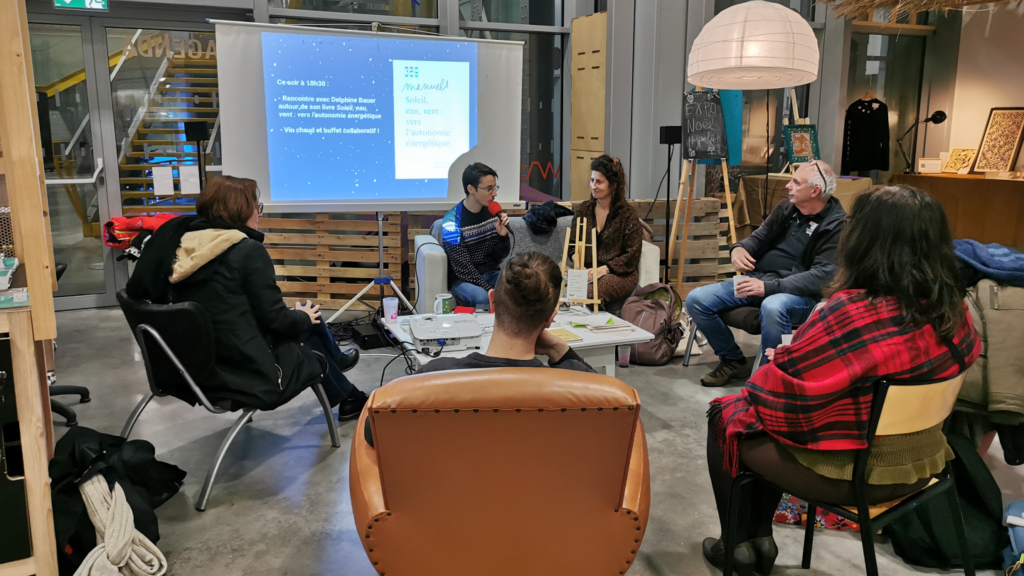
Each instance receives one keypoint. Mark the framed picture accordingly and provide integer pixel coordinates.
(960, 159)
(801, 143)
(1001, 143)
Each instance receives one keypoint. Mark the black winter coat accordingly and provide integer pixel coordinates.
(254, 332)
(816, 266)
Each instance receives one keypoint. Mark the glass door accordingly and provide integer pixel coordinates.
(166, 107)
(115, 100)
(73, 162)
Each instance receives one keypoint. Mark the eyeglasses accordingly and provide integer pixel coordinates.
(824, 181)
(490, 189)
(259, 208)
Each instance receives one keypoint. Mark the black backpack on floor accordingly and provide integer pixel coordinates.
(925, 537)
(82, 453)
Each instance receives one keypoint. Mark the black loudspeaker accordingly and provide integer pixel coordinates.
(671, 135)
(197, 131)
(370, 337)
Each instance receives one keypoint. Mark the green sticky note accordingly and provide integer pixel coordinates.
(611, 320)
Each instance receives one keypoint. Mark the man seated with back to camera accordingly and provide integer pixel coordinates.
(475, 241)
(525, 303)
(786, 262)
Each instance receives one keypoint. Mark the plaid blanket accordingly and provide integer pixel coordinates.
(817, 391)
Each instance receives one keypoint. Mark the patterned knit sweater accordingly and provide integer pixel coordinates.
(473, 245)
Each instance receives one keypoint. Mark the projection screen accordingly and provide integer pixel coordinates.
(352, 121)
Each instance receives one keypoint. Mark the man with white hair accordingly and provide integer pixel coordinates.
(786, 263)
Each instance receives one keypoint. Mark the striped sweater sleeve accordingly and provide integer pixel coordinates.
(459, 259)
(472, 248)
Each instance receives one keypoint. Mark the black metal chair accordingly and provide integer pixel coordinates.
(177, 346)
(898, 407)
(70, 418)
(746, 318)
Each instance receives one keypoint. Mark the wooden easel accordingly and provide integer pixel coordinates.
(579, 260)
(791, 168)
(709, 226)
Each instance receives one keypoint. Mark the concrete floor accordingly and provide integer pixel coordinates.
(281, 504)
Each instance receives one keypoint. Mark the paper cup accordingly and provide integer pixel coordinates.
(623, 353)
(736, 280)
(391, 309)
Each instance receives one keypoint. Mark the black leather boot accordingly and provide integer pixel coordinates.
(349, 359)
(744, 557)
(766, 552)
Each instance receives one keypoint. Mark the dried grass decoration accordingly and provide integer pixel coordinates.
(856, 8)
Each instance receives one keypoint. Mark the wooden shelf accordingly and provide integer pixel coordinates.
(861, 27)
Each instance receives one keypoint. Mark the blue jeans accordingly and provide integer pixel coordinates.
(469, 294)
(779, 313)
(335, 384)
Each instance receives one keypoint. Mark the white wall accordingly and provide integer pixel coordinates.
(990, 72)
(658, 66)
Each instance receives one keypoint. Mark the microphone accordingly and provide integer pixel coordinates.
(495, 209)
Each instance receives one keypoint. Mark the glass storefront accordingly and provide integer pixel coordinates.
(163, 80)
(539, 12)
(540, 165)
(167, 82)
(62, 95)
(411, 8)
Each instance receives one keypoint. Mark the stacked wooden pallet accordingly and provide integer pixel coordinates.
(330, 260)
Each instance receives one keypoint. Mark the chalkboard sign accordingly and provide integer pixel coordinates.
(703, 127)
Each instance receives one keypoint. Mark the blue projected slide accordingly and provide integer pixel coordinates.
(365, 119)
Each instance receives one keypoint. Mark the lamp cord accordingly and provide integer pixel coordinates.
(767, 152)
(668, 191)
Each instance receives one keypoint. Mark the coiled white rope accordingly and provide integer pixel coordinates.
(120, 549)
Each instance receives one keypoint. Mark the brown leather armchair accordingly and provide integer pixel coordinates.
(509, 471)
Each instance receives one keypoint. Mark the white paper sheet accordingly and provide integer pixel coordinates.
(163, 181)
(577, 285)
(189, 174)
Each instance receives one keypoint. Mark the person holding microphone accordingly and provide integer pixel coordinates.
(475, 241)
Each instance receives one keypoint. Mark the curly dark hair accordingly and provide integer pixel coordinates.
(897, 243)
(615, 173)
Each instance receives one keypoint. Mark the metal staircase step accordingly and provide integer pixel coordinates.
(161, 154)
(141, 180)
(171, 70)
(190, 89)
(151, 194)
(176, 120)
(184, 99)
(137, 167)
(189, 80)
(183, 109)
(160, 131)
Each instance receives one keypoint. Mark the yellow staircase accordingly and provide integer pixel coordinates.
(188, 93)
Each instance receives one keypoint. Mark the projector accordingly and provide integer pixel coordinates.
(430, 333)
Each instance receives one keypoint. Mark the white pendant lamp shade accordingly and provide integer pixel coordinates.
(754, 46)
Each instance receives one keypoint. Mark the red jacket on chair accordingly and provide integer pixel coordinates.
(120, 231)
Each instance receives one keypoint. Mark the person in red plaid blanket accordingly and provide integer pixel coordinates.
(897, 311)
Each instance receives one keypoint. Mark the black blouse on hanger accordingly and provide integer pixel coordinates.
(866, 137)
